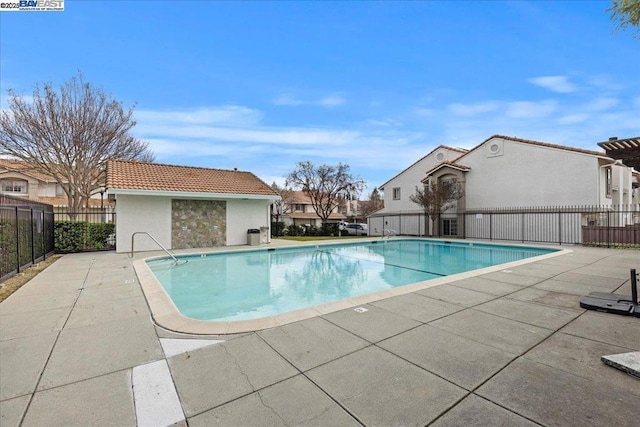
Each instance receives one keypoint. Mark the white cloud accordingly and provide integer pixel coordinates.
(291, 101)
(393, 138)
(424, 112)
(286, 100)
(530, 110)
(332, 101)
(383, 123)
(604, 83)
(559, 84)
(473, 109)
(601, 104)
(571, 119)
(228, 115)
(265, 135)
(185, 137)
(573, 123)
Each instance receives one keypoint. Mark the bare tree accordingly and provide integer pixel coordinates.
(327, 186)
(437, 197)
(281, 207)
(375, 203)
(70, 134)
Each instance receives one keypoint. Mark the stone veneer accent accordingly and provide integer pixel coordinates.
(198, 223)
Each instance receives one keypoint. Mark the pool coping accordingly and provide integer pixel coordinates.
(165, 314)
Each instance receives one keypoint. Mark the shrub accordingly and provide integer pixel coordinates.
(277, 229)
(76, 236)
(295, 230)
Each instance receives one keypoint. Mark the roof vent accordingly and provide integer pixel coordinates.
(613, 138)
(235, 169)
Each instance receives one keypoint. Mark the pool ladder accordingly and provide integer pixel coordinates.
(388, 233)
(157, 243)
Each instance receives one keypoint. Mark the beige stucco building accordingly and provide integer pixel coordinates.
(186, 207)
(505, 172)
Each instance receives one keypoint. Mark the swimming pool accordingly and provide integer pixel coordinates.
(255, 284)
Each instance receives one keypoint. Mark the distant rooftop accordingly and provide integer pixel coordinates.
(131, 175)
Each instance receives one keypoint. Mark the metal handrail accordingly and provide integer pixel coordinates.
(157, 243)
(389, 232)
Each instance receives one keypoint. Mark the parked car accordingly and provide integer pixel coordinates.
(357, 229)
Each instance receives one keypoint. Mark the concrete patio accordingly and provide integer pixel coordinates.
(78, 347)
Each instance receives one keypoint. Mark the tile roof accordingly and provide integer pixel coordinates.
(450, 164)
(63, 201)
(543, 144)
(131, 175)
(24, 168)
(299, 197)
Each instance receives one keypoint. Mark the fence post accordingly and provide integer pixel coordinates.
(17, 240)
(560, 226)
(33, 243)
(608, 228)
(490, 226)
(522, 226)
(44, 246)
(464, 225)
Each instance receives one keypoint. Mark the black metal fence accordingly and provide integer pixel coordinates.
(608, 226)
(26, 234)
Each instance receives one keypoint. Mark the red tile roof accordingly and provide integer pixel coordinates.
(62, 201)
(25, 169)
(300, 197)
(131, 175)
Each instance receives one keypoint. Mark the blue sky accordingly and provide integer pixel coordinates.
(377, 85)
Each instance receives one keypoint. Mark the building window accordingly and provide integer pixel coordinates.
(298, 207)
(608, 181)
(449, 227)
(11, 186)
(396, 193)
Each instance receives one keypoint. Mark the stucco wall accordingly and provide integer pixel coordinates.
(522, 175)
(153, 215)
(243, 215)
(142, 213)
(412, 177)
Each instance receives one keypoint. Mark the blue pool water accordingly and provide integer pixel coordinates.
(249, 285)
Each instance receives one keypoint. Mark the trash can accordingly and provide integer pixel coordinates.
(253, 237)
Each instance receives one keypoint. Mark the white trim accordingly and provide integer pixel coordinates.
(192, 195)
